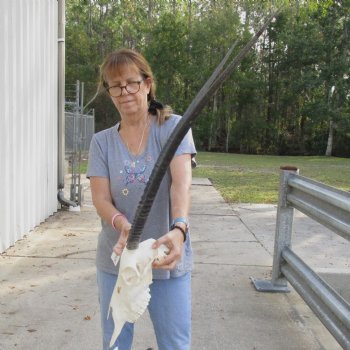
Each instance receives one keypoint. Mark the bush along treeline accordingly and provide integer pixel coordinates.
(290, 95)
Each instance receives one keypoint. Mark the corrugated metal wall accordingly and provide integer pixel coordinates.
(28, 116)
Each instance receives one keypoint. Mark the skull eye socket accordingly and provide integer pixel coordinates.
(130, 275)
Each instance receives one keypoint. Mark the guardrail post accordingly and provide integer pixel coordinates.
(283, 235)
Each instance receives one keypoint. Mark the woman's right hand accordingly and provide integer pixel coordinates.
(125, 228)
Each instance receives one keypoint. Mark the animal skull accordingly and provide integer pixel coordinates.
(131, 293)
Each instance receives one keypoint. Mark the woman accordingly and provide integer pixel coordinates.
(121, 160)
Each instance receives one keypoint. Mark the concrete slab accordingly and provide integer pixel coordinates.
(48, 304)
(323, 250)
(219, 229)
(230, 314)
(207, 201)
(48, 294)
(63, 243)
(231, 253)
(201, 181)
(317, 245)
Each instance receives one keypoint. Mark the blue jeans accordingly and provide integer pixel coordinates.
(169, 308)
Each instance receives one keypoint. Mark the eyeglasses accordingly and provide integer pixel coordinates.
(132, 88)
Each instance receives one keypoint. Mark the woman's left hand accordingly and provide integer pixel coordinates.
(174, 241)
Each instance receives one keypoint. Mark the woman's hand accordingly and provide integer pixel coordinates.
(125, 228)
(174, 241)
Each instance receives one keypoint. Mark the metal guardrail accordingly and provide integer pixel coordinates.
(331, 208)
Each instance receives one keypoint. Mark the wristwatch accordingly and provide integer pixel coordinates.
(183, 220)
(183, 231)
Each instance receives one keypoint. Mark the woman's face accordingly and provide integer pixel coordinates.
(130, 104)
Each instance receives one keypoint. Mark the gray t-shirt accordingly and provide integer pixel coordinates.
(128, 175)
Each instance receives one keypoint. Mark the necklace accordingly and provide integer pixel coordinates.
(141, 140)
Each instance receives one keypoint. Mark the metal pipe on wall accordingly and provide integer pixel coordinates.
(61, 104)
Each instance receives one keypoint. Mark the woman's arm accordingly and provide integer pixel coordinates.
(180, 197)
(102, 200)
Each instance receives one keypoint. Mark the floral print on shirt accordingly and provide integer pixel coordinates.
(135, 171)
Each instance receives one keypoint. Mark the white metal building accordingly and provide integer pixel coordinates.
(28, 115)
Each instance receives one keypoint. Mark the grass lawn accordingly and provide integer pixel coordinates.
(242, 178)
(255, 179)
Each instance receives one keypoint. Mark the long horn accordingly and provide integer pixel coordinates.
(185, 123)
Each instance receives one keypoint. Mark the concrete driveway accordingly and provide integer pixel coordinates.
(48, 295)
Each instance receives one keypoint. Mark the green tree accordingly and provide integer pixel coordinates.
(290, 95)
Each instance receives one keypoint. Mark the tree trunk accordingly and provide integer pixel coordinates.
(302, 134)
(228, 126)
(270, 93)
(210, 141)
(228, 129)
(330, 139)
(189, 16)
(212, 135)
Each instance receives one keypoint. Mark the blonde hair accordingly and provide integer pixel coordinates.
(115, 61)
